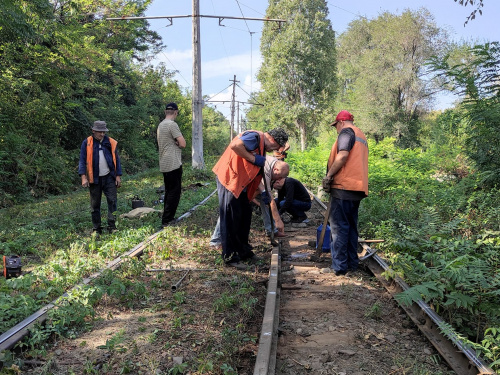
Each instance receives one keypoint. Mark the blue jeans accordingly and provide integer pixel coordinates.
(297, 208)
(266, 217)
(215, 240)
(106, 185)
(344, 234)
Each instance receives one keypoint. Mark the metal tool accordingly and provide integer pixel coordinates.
(323, 230)
(266, 185)
(368, 253)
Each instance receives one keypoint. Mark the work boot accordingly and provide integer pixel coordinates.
(112, 229)
(237, 265)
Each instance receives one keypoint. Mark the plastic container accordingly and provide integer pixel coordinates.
(326, 240)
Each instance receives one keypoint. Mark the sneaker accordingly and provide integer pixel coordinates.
(298, 219)
(112, 230)
(169, 223)
(215, 244)
(331, 270)
(97, 231)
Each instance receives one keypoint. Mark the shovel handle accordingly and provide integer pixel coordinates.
(325, 223)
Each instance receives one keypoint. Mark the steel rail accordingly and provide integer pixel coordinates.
(445, 339)
(11, 337)
(462, 361)
(265, 363)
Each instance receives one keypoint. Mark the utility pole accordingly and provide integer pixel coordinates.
(233, 98)
(197, 104)
(238, 117)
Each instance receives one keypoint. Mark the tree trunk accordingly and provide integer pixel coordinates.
(301, 125)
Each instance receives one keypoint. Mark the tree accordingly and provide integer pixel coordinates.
(298, 72)
(473, 13)
(62, 66)
(384, 79)
(477, 81)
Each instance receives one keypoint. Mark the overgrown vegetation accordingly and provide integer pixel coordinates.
(63, 66)
(435, 202)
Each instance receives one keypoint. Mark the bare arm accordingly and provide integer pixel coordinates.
(85, 181)
(180, 141)
(276, 216)
(338, 163)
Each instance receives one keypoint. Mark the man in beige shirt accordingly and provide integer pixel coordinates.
(170, 145)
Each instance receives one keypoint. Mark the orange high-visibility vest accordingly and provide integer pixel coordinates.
(236, 173)
(90, 156)
(354, 174)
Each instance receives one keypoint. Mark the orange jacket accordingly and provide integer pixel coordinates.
(90, 156)
(353, 175)
(236, 173)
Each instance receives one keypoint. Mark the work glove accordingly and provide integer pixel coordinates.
(259, 160)
(265, 197)
(326, 184)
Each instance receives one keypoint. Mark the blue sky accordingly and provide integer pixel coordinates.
(233, 49)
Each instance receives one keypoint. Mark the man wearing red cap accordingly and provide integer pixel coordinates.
(347, 181)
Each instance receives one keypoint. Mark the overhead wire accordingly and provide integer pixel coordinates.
(176, 70)
(213, 96)
(345, 10)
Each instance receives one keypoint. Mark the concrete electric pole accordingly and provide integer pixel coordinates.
(197, 104)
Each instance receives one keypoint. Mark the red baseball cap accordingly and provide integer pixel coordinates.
(342, 116)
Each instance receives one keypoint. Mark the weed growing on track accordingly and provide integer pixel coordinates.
(56, 247)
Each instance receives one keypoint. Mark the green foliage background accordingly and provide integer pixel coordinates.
(434, 176)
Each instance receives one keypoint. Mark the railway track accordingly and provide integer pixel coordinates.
(14, 335)
(318, 323)
(323, 324)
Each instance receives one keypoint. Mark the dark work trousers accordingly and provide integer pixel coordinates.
(344, 234)
(297, 208)
(235, 219)
(106, 185)
(173, 185)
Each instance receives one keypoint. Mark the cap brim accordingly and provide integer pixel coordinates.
(333, 123)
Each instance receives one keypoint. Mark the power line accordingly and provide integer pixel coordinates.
(176, 70)
(246, 23)
(225, 88)
(348, 11)
(222, 39)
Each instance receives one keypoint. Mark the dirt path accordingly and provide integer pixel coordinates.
(328, 325)
(343, 324)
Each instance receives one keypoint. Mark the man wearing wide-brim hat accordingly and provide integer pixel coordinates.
(100, 170)
(347, 181)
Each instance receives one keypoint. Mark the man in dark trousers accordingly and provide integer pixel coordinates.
(170, 145)
(100, 170)
(292, 198)
(347, 181)
(239, 172)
